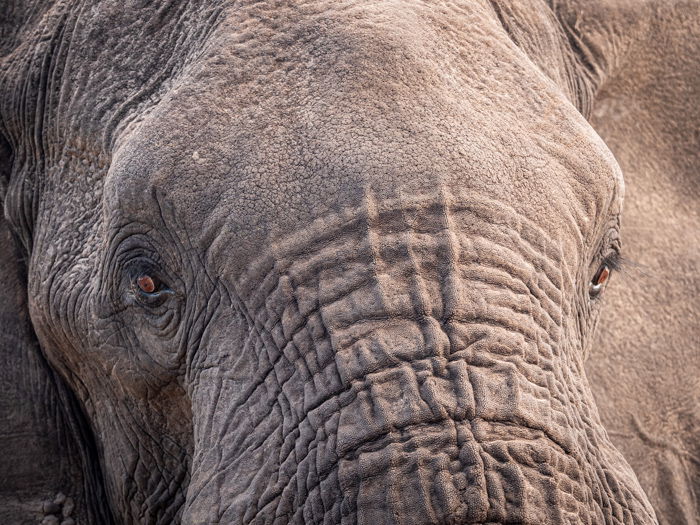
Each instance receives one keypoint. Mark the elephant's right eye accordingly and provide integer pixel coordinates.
(146, 283)
(149, 290)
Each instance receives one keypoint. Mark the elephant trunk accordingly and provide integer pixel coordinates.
(414, 366)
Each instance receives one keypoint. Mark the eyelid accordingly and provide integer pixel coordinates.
(152, 299)
(159, 293)
(140, 266)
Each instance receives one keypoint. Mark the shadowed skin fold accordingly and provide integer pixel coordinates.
(367, 233)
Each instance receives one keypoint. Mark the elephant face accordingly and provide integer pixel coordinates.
(343, 270)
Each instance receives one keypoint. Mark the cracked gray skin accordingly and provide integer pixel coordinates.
(377, 224)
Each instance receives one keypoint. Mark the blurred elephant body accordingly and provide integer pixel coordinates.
(336, 262)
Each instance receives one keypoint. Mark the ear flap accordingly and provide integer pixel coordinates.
(645, 60)
(48, 465)
(48, 462)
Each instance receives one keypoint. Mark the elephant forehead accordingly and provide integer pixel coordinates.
(272, 128)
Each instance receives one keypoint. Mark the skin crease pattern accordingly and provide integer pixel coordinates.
(330, 261)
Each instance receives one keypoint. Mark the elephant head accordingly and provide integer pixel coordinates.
(319, 262)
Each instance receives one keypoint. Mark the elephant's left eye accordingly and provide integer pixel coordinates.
(599, 280)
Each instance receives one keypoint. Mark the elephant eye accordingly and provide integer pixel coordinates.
(150, 290)
(146, 284)
(599, 280)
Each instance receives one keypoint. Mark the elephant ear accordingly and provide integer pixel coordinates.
(642, 60)
(48, 463)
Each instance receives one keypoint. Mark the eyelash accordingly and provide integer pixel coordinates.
(615, 261)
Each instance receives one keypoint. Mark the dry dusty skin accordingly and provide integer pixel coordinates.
(331, 261)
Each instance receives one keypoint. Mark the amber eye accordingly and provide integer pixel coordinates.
(145, 287)
(146, 283)
(599, 280)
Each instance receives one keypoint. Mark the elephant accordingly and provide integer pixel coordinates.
(330, 261)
